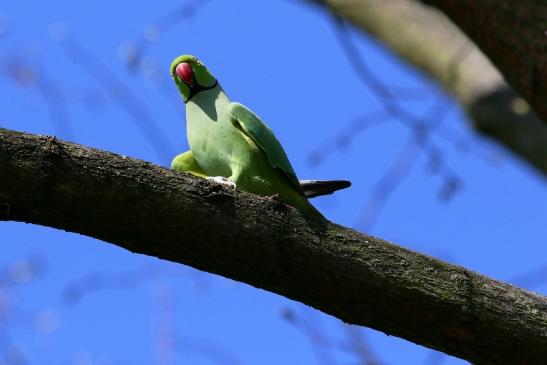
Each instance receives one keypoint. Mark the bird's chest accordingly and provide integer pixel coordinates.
(215, 143)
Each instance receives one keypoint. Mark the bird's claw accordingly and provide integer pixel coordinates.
(275, 196)
(223, 180)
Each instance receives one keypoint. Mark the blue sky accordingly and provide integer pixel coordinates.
(69, 299)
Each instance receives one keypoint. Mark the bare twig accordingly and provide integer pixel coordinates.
(22, 73)
(421, 128)
(134, 52)
(427, 39)
(121, 96)
(319, 342)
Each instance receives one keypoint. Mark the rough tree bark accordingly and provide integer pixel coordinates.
(260, 241)
(426, 38)
(513, 34)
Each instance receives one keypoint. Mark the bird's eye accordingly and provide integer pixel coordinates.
(185, 72)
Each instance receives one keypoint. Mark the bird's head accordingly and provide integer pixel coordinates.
(191, 76)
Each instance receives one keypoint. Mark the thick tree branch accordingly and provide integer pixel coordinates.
(513, 34)
(260, 241)
(426, 38)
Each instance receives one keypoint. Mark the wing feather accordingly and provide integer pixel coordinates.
(263, 136)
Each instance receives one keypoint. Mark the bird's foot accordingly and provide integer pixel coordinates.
(275, 196)
(223, 180)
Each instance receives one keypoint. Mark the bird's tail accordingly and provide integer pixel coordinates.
(313, 188)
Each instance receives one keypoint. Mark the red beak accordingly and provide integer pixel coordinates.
(185, 72)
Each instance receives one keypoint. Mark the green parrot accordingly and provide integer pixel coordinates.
(231, 145)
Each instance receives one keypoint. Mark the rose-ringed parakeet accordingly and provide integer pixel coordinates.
(230, 144)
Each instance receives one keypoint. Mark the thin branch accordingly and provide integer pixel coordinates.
(344, 139)
(23, 74)
(427, 39)
(78, 289)
(421, 128)
(133, 52)
(318, 340)
(358, 344)
(121, 96)
(12, 276)
(387, 183)
(207, 349)
(383, 93)
(260, 241)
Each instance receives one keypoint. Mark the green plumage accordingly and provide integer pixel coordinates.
(227, 139)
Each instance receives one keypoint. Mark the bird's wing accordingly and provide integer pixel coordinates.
(251, 125)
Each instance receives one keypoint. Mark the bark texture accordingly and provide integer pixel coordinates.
(260, 241)
(426, 38)
(513, 34)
